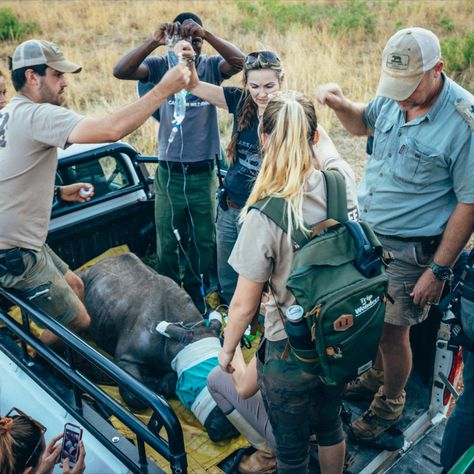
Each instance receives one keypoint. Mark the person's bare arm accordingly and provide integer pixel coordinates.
(233, 57)
(243, 307)
(350, 114)
(458, 231)
(210, 92)
(244, 376)
(131, 65)
(127, 119)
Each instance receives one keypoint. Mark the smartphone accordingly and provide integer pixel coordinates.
(70, 447)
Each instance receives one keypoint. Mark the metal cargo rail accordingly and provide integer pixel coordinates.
(134, 457)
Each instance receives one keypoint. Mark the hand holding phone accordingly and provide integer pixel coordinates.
(70, 445)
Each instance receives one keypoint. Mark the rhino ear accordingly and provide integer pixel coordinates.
(215, 323)
(171, 331)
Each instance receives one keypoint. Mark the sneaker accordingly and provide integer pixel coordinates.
(365, 386)
(259, 462)
(382, 414)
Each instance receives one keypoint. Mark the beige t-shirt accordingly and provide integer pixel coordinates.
(29, 136)
(262, 251)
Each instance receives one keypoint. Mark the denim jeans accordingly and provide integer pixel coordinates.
(227, 229)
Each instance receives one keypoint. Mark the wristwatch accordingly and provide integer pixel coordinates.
(442, 273)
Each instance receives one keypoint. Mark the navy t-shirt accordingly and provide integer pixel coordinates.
(241, 175)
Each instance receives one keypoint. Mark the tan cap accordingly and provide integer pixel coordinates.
(408, 54)
(34, 52)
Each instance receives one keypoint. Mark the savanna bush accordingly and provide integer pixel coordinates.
(13, 29)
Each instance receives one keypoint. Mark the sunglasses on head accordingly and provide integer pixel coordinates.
(263, 59)
(16, 412)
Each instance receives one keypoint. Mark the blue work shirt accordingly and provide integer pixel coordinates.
(419, 170)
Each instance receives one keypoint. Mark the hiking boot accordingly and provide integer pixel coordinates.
(365, 386)
(259, 462)
(382, 414)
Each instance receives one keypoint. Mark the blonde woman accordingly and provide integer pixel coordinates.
(298, 404)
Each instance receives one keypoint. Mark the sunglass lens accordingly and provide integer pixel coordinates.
(269, 56)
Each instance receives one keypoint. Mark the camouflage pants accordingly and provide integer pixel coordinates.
(298, 405)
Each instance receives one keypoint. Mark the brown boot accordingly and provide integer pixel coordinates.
(365, 386)
(260, 462)
(382, 414)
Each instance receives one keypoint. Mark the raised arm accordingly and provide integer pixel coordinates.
(131, 65)
(127, 119)
(210, 92)
(350, 114)
(233, 57)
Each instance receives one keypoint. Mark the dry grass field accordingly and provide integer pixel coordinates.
(318, 41)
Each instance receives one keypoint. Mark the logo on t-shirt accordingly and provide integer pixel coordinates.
(3, 128)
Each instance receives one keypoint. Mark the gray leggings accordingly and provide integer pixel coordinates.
(222, 389)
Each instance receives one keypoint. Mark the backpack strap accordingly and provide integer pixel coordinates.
(336, 195)
(276, 209)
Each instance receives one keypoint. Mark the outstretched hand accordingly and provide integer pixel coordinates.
(225, 359)
(191, 29)
(80, 466)
(331, 95)
(72, 192)
(166, 29)
(175, 79)
(50, 456)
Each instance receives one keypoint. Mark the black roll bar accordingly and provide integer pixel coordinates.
(163, 416)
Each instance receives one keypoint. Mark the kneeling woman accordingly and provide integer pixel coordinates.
(297, 402)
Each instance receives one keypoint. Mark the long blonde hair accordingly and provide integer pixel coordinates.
(290, 124)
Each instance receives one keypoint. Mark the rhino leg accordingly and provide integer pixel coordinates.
(218, 426)
(136, 371)
(166, 384)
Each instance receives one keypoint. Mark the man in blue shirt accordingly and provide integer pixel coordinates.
(185, 181)
(417, 192)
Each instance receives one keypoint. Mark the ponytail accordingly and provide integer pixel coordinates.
(246, 114)
(290, 123)
(19, 444)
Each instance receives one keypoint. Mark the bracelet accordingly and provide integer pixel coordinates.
(57, 193)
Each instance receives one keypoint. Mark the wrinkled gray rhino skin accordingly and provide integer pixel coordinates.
(126, 299)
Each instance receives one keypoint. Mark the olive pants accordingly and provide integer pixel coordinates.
(185, 202)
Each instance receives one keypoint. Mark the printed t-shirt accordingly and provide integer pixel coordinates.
(198, 136)
(262, 251)
(242, 174)
(29, 136)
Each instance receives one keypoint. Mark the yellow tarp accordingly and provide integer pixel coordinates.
(203, 455)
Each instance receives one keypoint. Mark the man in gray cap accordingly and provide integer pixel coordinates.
(417, 192)
(32, 126)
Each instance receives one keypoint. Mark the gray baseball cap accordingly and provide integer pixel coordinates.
(34, 52)
(408, 54)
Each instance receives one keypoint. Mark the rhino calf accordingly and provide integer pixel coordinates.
(126, 301)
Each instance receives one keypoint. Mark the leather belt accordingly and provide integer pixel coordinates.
(232, 204)
(187, 167)
(432, 239)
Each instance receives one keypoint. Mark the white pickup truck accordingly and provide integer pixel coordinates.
(121, 212)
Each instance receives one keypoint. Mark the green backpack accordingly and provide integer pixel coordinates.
(339, 280)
